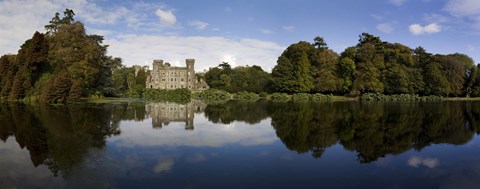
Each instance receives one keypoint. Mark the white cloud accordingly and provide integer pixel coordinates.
(199, 25)
(208, 51)
(265, 31)
(416, 161)
(463, 7)
(397, 2)
(163, 165)
(417, 29)
(167, 17)
(467, 11)
(385, 27)
(289, 28)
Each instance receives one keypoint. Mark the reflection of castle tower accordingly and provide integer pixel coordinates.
(164, 113)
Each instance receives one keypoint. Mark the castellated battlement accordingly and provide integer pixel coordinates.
(165, 76)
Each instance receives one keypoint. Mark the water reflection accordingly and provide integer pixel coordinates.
(164, 113)
(57, 139)
(111, 142)
(373, 130)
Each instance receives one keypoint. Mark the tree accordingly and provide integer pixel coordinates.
(436, 80)
(346, 68)
(319, 43)
(59, 90)
(292, 72)
(369, 67)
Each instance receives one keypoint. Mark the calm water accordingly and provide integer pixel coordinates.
(241, 145)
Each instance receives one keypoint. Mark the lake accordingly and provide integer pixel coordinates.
(241, 145)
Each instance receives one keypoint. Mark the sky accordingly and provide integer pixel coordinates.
(248, 32)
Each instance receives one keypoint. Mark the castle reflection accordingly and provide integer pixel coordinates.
(163, 113)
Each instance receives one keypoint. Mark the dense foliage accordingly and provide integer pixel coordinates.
(246, 96)
(399, 97)
(372, 66)
(178, 95)
(62, 65)
(239, 79)
(214, 95)
(375, 66)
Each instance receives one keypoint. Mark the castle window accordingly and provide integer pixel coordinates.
(171, 86)
(181, 86)
(171, 79)
(181, 79)
(163, 73)
(188, 73)
(163, 79)
(151, 87)
(188, 80)
(175, 79)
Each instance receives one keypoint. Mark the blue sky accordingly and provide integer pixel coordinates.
(248, 32)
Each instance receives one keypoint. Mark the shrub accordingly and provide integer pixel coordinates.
(398, 97)
(280, 97)
(301, 97)
(318, 97)
(246, 96)
(211, 95)
(176, 95)
(263, 95)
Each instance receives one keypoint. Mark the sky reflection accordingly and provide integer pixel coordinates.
(205, 134)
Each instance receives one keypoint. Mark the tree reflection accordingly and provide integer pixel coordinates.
(373, 130)
(249, 112)
(58, 137)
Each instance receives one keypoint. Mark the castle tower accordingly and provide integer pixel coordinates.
(190, 73)
(157, 64)
(190, 64)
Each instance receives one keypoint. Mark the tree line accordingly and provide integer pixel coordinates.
(372, 66)
(64, 64)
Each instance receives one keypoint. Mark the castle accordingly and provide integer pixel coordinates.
(164, 76)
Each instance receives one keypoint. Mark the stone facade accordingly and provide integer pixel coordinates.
(164, 76)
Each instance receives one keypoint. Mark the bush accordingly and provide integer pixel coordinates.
(318, 97)
(280, 97)
(246, 96)
(214, 95)
(301, 97)
(263, 95)
(176, 95)
(398, 97)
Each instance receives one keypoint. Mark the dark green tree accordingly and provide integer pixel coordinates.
(292, 73)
